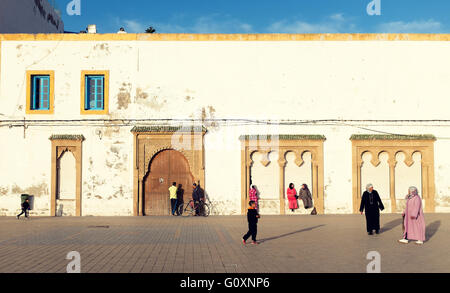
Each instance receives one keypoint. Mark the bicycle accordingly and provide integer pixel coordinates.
(190, 208)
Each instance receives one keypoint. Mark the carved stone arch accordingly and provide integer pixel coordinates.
(60, 145)
(298, 156)
(394, 144)
(155, 152)
(151, 140)
(374, 159)
(299, 144)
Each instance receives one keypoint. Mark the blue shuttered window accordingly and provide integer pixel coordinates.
(94, 92)
(40, 96)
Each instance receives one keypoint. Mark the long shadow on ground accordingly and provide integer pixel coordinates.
(432, 229)
(290, 233)
(391, 225)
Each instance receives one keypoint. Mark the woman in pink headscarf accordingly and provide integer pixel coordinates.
(414, 220)
(292, 197)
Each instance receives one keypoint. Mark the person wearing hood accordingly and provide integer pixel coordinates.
(292, 197)
(413, 218)
(371, 203)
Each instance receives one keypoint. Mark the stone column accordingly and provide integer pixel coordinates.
(392, 163)
(282, 164)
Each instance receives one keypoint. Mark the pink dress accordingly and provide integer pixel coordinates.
(291, 193)
(414, 228)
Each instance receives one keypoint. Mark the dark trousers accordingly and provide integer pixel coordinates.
(173, 203)
(24, 211)
(252, 230)
(198, 207)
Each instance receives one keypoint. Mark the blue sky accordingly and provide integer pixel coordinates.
(260, 16)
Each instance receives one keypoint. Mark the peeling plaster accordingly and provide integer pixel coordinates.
(36, 190)
(124, 96)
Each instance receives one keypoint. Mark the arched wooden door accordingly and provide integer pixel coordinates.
(166, 167)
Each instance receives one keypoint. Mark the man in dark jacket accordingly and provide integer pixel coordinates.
(371, 204)
(198, 197)
(25, 208)
(252, 218)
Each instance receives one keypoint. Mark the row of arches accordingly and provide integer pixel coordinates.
(265, 174)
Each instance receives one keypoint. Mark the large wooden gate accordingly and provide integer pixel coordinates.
(166, 167)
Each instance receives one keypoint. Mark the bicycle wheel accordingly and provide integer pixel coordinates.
(188, 210)
(206, 210)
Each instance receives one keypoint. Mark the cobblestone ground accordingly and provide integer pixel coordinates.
(289, 244)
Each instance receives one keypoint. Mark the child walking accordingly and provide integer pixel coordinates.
(252, 217)
(25, 208)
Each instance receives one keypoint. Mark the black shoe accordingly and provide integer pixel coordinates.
(370, 233)
(377, 231)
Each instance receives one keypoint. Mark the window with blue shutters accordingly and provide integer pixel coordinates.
(40, 96)
(94, 92)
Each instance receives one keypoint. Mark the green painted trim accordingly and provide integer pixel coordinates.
(392, 137)
(66, 137)
(284, 137)
(166, 128)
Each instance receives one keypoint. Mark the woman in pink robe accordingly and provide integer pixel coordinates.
(291, 195)
(414, 220)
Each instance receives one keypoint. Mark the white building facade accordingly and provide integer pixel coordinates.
(100, 125)
(29, 16)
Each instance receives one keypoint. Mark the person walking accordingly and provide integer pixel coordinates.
(371, 203)
(25, 208)
(413, 218)
(253, 195)
(292, 197)
(173, 197)
(252, 218)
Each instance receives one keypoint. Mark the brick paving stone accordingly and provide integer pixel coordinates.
(291, 244)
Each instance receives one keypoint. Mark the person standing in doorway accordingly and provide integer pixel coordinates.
(180, 198)
(371, 203)
(25, 208)
(252, 218)
(306, 197)
(253, 196)
(414, 220)
(292, 197)
(173, 197)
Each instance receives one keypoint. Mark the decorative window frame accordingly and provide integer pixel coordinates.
(148, 141)
(393, 144)
(28, 109)
(299, 144)
(60, 145)
(105, 111)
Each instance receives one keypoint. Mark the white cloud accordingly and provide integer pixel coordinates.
(337, 17)
(335, 23)
(427, 26)
(205, 24)
(133, 26)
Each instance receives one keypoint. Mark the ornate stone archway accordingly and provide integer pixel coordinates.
(148, 141)
(283, 144)
(60, 145)
(393, 144)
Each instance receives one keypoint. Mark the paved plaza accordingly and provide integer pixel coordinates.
(289, 244)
